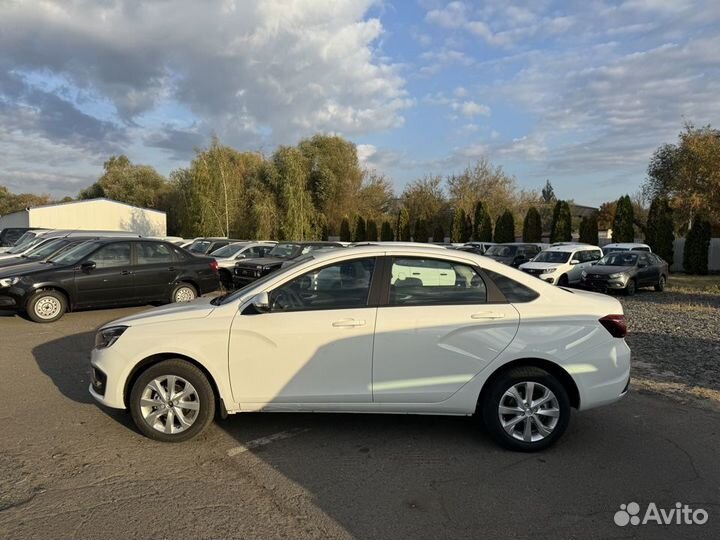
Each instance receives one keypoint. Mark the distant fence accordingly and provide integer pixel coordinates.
(713, 255)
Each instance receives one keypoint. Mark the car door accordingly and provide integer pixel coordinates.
(155, 270)
(583, 263)
(430, 340)
(314, 345)
(105, 276)
(648, 272)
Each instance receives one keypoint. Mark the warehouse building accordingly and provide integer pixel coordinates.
(90, 214)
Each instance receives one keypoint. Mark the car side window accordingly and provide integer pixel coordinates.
(343, 285)
(417, 282)
(644, 259)
(152, 253)
(513, 291)
(112, 255)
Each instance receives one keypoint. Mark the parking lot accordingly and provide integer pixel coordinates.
(69, 469)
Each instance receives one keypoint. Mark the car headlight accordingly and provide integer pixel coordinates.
(107, 336)
(615, 276)
(548, 270)
(9, 281)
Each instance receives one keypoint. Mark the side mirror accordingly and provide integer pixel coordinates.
(261, 302)
(575, 261)
(642, 265)
(87, 266)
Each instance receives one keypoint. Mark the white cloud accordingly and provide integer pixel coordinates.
(470, 108)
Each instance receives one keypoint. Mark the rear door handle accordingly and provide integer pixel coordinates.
(127, 273)
(487, 315)
(348, 323)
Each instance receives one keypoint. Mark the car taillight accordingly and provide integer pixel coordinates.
(214, 266)
(615, 324)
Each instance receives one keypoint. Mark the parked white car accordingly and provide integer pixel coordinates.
(227, 256)
(563, 264)
(372, 337)
(625, 246)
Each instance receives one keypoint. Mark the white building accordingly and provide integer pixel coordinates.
(90, 214)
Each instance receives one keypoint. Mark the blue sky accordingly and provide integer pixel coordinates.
(578, 92)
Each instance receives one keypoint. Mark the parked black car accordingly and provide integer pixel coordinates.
(205, 246)
(10, 235)
(249, 270)
(45, 250)
(626, 271)
(106, 272)
(513, 254)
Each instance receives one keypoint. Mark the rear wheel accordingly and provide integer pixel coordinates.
(630, 288)
(660, 284)
(226, 279)
(172, 401)
(46, 306)
(526, 409)
(184, 292)
(563, 281)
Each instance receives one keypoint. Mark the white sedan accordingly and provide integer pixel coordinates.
(372, 329)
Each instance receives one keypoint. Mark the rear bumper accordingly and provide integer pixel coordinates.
(609, 382)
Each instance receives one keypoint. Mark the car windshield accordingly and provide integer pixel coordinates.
(46, 249)
(199, 246)
(501, 251)
(76, 254)
(283, 251)
(607, 250)
(20, 248)
(27, 237)
(618, 259)
(552, 257)
(229, 250)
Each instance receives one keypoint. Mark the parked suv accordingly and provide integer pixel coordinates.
(626, 246)
(228, 256)
(106, 272)
(249, 270)
(513, 254)
(10, 235)
(563, 265)
(626, 271)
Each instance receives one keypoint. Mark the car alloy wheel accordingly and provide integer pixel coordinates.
(661, 284)
(169, 404)
(529, 411)
(630, 288)
(184, 293)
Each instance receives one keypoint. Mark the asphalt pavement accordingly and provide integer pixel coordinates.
(70, 469)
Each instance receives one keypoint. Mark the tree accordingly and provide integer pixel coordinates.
(467, 233)
(459, 227)
(548, 193)
(360, 230)
(659, 233)
(438, 233)
(386, 232)
(697, 244)
(372, 231)
(606, 214)
(532, 226)
(589, 229)
(481, 219)
(561, 230)
(402, 230)
(505, 228)
(345, 233)
(688, 174)
(421, 231)
(138, 185)
(623, 229)
(425, 199)
(294, 199)
(10, 202)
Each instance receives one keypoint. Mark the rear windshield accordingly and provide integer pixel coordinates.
(199, 246)
(283, 251)
(228, 251)
(501, 251)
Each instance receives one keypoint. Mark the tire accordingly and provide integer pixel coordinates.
(563, 281)
(226, 279)
(197, 409)
(514, 435)
(46, 306)
(630, 288)
(660, 287)
(183, 292)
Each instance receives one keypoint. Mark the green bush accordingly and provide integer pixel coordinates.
(561, 230)
(505, 228)
(697, 245)
(659, 232)
(360, 230)
(345, 234)
(532, 226)
(622, 228)
(459, 226)
(482, 224)
(386, 232)
(438, 233)
(402, 230)
(589, 229)
(421, 231)
(372, 231)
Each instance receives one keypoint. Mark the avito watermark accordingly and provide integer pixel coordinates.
(680, 514)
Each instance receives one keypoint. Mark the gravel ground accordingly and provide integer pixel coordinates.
(675, 339)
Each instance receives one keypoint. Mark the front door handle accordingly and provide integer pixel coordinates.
(127, 273)
(348, 323)
(487, 315)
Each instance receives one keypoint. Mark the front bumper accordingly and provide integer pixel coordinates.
(600, 284)
(12, 298)
(110, 371)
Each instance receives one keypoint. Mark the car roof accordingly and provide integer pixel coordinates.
(567, 248)
(626, 244)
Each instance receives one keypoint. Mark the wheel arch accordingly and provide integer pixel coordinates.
(53, 287)
(150, 361)
(554, 369)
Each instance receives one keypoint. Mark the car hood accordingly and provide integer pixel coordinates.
(197, 309)
(538, 265)
(263, 261)
(26, 268)
(605, 270)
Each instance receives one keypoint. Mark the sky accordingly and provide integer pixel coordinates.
(578, 92)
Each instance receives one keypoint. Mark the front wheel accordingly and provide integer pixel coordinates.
(630, 288)
(660, 284)
(526, 409)
(172, 401)
(46, 306)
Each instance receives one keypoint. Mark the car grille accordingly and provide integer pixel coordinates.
(248, 272)
(532, 271)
